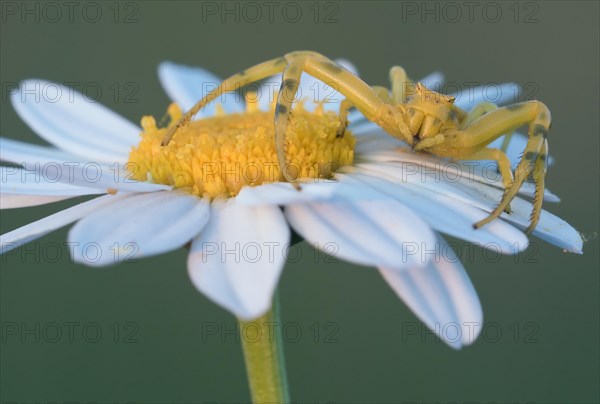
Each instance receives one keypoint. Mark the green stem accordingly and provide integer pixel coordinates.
(263, 353)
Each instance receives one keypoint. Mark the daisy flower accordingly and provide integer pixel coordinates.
(216, 188)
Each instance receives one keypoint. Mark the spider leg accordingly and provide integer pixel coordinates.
(430, 142)
(497, 122)
(480, 110)
(283, 110)
(383, 93)
(503, 162)
(358, 93)
(250, 75)
(539, 174)
(346, 105)
(476, 113)
(506, 142)
(402, 86)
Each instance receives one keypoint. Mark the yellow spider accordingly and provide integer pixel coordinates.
(425, 120)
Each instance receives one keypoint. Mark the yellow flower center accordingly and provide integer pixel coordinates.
(217, 156)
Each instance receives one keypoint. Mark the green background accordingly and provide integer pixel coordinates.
(545, 302)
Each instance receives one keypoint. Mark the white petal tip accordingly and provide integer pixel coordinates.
(246, 307)
(442, 296)
(239, 270)
(433, 81)
(346, 64)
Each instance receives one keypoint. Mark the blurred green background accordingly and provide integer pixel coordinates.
(354, 345)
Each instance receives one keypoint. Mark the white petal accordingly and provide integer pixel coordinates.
(486, 172)
(372, 230)
(373, 144)
(469, 97)
(356, 117)
(442, 296)
(448, 215)
(93, 175)
(433, 81)
(360, 125)
(237, 259)
(138, 226)
(12, 201)
(372, 141)
(550, 228)
(74, 123)
(20, 188)
(15, 180)
(54, 166)
(39, 228)
(283, 193)
(431, 170)
(187, 85)
(558, 232)
(22, 153)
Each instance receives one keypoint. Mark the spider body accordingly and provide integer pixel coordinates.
(425, 120)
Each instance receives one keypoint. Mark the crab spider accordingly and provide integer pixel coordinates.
(425, 120)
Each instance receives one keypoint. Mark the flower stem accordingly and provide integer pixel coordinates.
(263, 354)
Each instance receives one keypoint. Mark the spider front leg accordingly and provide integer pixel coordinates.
(477, 112)
(497, 122)
(400, 84)
(357, 92)
(539, 176)
(289, 87)
(346, 105)
(497, 155)
(250, 75)
(503, 162)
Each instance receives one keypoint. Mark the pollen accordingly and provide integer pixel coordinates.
(215, 157)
